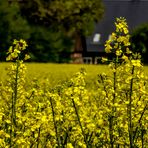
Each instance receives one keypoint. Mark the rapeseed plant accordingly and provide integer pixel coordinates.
(126, 91)
(69, 115)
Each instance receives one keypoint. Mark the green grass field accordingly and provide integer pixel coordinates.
(60, 72)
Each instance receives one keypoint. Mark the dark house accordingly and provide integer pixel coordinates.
(135, 12)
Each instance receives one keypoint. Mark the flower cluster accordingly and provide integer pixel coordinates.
(124, 92)
(119, 41)
(113, 114)
(16, 49)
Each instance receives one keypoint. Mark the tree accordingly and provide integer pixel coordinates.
(73, 16)
(12, 25)
(44, 44)
(139, 39)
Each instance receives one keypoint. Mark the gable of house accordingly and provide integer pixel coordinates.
(135, 12)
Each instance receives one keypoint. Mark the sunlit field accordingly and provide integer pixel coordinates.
(63, 110)
(57, 73)
(75, 105)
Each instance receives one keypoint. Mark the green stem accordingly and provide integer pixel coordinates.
(139, 121)
(15, 91)
(111, 118)
(130, 112)
(142, 138)
(77, 114)
(11, 128)
(13, 101)
(111, 131)
(54, 121)
(114, 95)
(38, 139)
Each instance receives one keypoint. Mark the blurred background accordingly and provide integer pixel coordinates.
(70, 31)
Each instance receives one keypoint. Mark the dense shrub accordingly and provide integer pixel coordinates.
(139, 40)
(45, 43)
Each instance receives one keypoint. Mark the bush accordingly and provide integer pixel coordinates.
(45, 45)
(139, 41)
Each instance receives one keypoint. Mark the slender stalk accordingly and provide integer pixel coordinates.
(111, 118)
(55, 125)
(65, 139)
(38, 139)
(114, 95)
(13, 104)
(130, 111)
(142, 138)
(77, 114)
(15, 90)
(139, 121)
(90, 137)
(11, 128)
(111, 131)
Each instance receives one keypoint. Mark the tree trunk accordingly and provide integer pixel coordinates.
(79, 47)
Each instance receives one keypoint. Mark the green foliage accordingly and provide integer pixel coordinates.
(45, 45)
(73, 15)
(139, 40)
(49, 46)
(12, 25)
(69, 115)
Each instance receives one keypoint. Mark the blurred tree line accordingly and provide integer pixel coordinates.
(50, 27)
(139, 39)
(53, 28)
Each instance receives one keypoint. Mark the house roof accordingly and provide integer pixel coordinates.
(134, 11)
